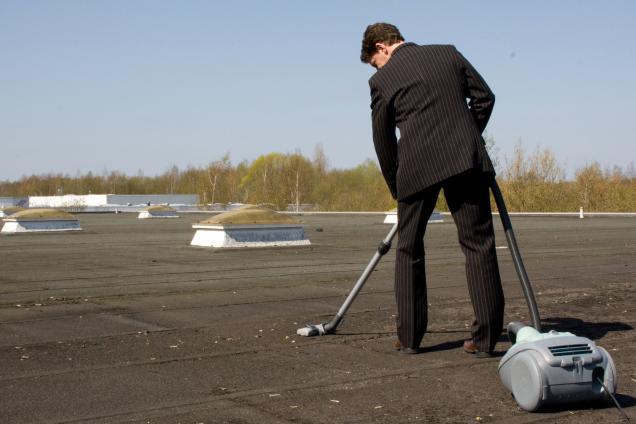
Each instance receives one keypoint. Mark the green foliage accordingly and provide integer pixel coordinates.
(535, 182)
(278, 179)
(529, 182)
(359, 189)
(601, 190)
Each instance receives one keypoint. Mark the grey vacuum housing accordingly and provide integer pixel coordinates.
(555, 368)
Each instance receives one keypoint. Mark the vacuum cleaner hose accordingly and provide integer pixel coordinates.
(512, 329)
(516, 256)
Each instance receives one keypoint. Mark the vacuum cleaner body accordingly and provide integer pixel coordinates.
(555, 368)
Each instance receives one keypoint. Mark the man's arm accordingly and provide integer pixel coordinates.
(481, 98)
(384, 139)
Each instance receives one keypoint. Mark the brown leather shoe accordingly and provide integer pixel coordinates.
(471, 347)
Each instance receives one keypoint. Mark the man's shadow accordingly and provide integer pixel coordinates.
(456, 344)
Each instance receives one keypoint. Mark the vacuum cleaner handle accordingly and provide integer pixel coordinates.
(516, 256)
(330, 327)
(383, 248)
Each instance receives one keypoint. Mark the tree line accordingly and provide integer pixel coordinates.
(529, 182)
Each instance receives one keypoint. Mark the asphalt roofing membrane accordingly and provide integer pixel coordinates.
(125, 322)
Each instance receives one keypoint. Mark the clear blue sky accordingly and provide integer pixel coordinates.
(142, 85)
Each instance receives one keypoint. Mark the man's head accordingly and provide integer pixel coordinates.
(378, 43)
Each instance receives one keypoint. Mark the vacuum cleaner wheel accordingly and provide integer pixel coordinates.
(527, 383)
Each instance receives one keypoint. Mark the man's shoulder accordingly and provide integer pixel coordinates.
(404, 54)
(438, 47)
(432, 53)
(425, 52)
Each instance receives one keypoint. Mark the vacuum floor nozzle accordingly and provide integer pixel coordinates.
(312, 330)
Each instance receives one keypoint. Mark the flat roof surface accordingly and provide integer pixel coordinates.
(125, 322)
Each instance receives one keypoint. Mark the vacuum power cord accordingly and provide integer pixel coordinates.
(618, 405)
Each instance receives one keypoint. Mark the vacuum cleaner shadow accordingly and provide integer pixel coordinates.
(591, 330)
(625, 401)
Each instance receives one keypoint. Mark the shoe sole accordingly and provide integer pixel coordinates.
(478, 353)
(410, 351)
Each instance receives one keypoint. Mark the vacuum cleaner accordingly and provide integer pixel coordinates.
(555, 368)
(540, 368)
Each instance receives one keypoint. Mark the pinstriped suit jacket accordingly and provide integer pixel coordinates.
(441, 105)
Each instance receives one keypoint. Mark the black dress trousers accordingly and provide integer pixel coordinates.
(468, 198)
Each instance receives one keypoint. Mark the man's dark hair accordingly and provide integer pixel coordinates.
(378, 33)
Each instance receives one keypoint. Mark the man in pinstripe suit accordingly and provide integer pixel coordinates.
(441, 105)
